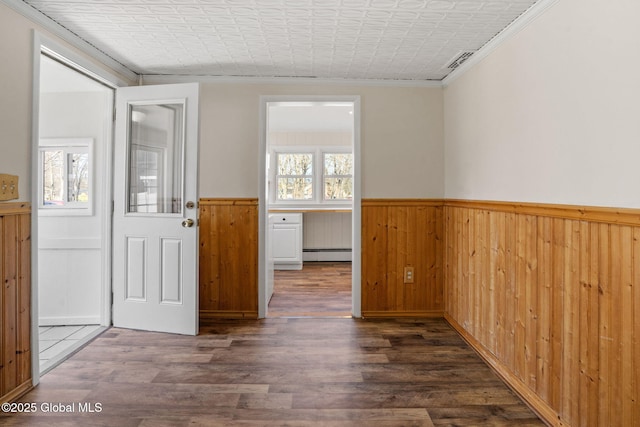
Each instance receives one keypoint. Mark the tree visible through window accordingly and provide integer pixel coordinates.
(312, 176)
(65, 176)
(53, 177)
(338, 176)
(78, 177)
(295, 176)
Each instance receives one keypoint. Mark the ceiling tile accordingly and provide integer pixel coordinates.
(350, 39)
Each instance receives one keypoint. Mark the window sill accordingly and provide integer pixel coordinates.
(316, 208)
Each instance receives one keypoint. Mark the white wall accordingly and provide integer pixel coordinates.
(16, 75)
(327, 230)
(401, 139)
(70, 247)
(310, 139)
(15, 102)
(553, 114)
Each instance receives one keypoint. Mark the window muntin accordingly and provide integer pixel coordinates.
(294, 178)
(65, 174)
(338, 176)
(311, 176)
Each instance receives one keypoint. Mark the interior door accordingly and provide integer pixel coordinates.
(155, 225)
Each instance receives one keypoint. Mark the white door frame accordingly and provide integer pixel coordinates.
(44, 44)
(356, 287)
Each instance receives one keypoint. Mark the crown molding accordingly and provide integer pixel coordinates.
(64, 34)
(508, 32)
(179, 78)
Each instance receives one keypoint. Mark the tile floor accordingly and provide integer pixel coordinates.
(58, 341)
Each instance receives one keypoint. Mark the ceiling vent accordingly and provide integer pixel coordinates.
(459, 60)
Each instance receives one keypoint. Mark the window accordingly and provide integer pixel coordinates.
(311, 175)
(338, 176)
(294, 177)
(145, 188)
(155, 158)
(65, 174)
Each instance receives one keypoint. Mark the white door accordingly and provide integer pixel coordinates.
(155, 233)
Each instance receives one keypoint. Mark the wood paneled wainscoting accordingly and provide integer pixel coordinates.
(228, 258)
(15, 300)
(550, 296)
(399, 233)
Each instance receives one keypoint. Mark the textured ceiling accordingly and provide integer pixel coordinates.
(343, 39)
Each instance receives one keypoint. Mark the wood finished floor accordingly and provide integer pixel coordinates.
(280, 372)
(319, 289)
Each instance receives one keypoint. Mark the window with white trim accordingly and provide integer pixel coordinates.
(337, 176)
(65, 174)
(307, 176)
(294, 178)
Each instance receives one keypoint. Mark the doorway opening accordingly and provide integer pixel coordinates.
(72, 190)
(310, 206)
(318, 289)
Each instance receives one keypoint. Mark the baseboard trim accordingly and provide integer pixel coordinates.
(327, 256)
(402, 314)
(60, 321)
(17, 392)
(537, 405)
(206, 315)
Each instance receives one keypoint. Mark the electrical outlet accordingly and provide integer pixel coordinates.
(408, 274)
(8, 187)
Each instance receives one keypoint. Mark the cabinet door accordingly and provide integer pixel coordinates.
(285, 243)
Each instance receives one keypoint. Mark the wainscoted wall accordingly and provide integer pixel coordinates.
(327, 230)
(397, 233)
(547, 294)
(550, 296)
(327, 236)
(228, 258)
(15, 300)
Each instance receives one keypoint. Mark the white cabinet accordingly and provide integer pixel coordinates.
(286, 240)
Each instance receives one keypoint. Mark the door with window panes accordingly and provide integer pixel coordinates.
(155, 261)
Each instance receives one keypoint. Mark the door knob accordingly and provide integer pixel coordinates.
(188, 223)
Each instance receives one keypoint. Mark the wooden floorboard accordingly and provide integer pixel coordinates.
(319, 289)
(277, 372)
